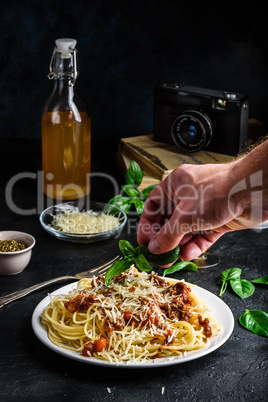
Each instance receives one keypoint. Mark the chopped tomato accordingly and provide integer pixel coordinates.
(100, 344)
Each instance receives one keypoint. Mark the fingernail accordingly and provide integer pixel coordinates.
(154, 246)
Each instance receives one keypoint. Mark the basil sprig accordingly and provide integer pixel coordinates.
(255, 321)
(133, 196)
(242, 287)
(142, 258)
(226, 276)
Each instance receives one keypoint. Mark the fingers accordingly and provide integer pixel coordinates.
(146, 230)
(164, 241)
(197, 245)
(157, 210)
(172, 232)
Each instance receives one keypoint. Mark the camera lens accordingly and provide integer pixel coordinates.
(192, 131)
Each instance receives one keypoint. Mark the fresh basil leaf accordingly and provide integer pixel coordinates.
(146, 191)
(121, 202)
(109, 209)
(140, 255)
(227, 275)
(161, 259)
(231, 273)
(255, 321)
(242, 287)
(142, 263)
(138, 249)
(263, 280)
(133, 179)
(180, 265)
(117, 268)
(130, 190)
(126, 248)
(139, 205)
(134, 174)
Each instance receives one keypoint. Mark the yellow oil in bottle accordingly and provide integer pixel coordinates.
(66, 154)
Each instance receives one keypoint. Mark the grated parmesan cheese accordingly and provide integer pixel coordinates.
(85, 222)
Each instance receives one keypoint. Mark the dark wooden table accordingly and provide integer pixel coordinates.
(237, 371)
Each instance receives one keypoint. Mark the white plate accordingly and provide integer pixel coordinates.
(222, 313)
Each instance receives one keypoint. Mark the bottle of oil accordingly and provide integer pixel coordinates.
(66, 129)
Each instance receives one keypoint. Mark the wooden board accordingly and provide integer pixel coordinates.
(159, 159)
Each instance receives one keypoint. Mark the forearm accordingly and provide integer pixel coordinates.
(249, 177)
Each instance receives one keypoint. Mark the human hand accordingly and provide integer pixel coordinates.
(193, 207)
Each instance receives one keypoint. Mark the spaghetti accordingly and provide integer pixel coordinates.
(138, 317)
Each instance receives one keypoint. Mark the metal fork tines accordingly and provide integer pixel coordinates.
(99, 270)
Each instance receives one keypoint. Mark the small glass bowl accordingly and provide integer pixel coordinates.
(14, 262)
(46, 219)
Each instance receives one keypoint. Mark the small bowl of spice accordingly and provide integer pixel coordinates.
(15, 251)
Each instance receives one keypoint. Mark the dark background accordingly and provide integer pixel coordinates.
(125, 48)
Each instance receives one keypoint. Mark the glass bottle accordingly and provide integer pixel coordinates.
(66, 129)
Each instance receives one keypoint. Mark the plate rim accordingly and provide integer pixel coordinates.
(41, 333)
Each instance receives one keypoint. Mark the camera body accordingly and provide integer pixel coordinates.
(196, 118)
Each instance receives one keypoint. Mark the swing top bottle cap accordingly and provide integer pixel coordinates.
(64, 45)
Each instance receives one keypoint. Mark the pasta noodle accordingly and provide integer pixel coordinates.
(138, 317)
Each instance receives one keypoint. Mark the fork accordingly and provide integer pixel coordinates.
(101, 269)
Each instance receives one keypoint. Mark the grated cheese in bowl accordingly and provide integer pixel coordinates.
(85, 222)
(78, 222)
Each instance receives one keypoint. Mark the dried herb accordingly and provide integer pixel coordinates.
(7, 246)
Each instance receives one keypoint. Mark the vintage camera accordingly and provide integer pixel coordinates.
(197, 118)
